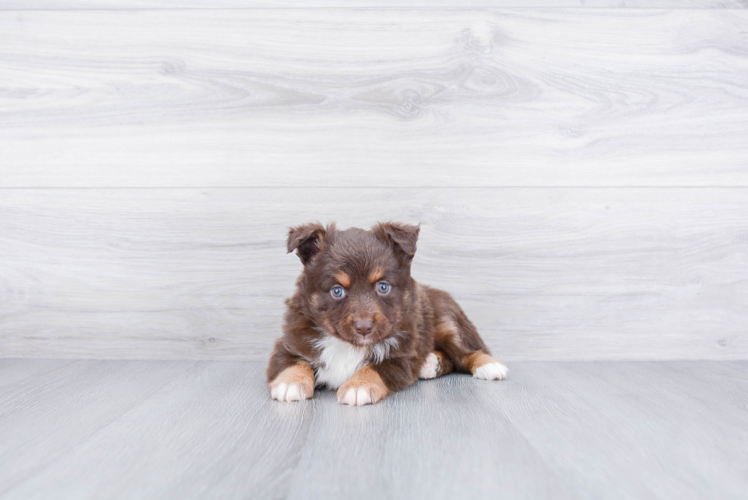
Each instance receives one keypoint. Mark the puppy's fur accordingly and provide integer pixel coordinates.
(359, 323)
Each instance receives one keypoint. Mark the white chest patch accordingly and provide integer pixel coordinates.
(338, 361)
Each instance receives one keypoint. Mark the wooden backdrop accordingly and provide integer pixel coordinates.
(580, 174)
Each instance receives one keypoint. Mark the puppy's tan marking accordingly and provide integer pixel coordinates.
(485, 367)
(343, 279)
(314, 300)
(378, 317)
(363, 388)
(475, 360)
(445, 364)
(376, 274)
(447, 332)
(295, 383)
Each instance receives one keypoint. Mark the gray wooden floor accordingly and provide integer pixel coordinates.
(207, 429)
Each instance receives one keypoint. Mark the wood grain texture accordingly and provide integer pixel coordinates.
(331, 97)
(275, 4)
(646, 430)
(662, 440)
(545, 273)
(44, 416)
(445, 447)
(212, 425)
(14, 371)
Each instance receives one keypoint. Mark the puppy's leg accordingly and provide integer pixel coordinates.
(289, 378)
(458, 338)
(363, 388)
(484, 367)
(371, 384)
(437, 364)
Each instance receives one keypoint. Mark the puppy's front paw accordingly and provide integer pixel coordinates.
(291, 392)
(356, 396)
(430, 368)
(295, 383)
(364, 387)
(495, 370)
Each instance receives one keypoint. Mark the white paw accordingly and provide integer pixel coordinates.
(430, 367)
(289, 392)
(492, 371)
(356, 396)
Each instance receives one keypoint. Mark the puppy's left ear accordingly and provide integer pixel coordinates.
(401, 237)
(307, 240)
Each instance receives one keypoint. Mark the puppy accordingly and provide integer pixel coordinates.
(360, 324)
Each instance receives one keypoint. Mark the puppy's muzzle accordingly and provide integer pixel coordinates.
(363, 328)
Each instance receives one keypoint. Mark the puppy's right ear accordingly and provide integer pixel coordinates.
(305, 240)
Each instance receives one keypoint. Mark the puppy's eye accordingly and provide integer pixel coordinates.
(337, 291)
(383, 288)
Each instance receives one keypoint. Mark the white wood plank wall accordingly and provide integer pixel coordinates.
(239, 4)
(351, 97)
(581, 175)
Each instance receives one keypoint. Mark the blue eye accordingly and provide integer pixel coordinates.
(337, 291)
(383, 287)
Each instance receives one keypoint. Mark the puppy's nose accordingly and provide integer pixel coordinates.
(363, 327)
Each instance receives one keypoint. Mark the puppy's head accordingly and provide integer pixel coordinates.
(356, 283)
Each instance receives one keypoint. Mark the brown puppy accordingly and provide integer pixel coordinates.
(360, 324)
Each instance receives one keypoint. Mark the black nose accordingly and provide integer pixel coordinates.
(363, 327)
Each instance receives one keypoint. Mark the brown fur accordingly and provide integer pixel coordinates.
(445, 364)
(414, 318)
